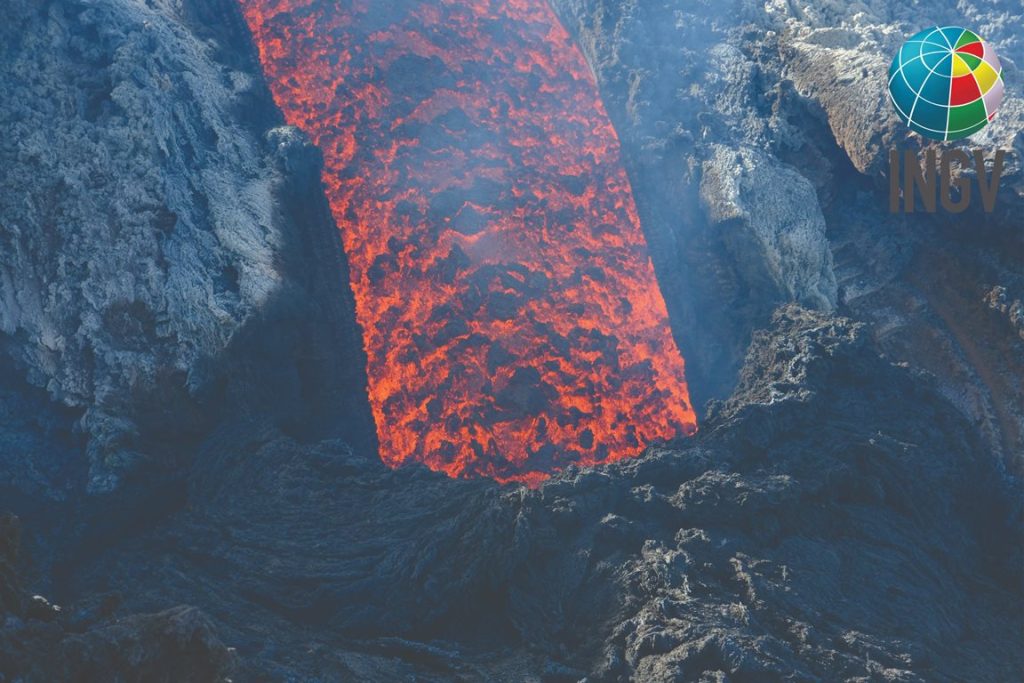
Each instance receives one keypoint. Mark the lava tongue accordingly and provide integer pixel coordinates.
(511, 317)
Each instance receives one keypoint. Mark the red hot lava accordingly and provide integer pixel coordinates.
(510, 313)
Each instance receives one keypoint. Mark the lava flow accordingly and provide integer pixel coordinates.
(510, 313)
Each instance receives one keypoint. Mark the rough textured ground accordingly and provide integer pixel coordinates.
(183, 423)
(810, 532)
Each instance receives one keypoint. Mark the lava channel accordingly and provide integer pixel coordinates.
(510, 313)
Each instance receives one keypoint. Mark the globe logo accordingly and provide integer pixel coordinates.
(946, 83)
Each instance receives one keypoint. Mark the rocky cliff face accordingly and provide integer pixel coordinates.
(757, 138)
(843, 514)
(146, 229)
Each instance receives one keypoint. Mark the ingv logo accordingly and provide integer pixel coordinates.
(946, 84)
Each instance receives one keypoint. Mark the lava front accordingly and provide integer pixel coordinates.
(511, 317)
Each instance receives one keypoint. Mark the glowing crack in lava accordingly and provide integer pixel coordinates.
(510, 313)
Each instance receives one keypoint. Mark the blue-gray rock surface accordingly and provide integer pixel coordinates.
(145, 226)
(729, 112)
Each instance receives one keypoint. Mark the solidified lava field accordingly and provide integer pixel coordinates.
(510, 313)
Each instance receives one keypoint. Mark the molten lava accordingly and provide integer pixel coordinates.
(510, 313)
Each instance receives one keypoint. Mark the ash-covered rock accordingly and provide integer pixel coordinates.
(144, 227)
(776, 212)
(133, 248)
(734, 110)
(839, 56)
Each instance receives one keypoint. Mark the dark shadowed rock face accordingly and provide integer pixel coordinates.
(38, 642)
(834, 519)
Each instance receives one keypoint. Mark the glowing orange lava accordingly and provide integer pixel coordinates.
(510, 313)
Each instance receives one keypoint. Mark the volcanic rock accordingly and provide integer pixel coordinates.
(834, 518)
(731, 112)
(777, 209)
(144, 223)
(38, 644)
(847, 511)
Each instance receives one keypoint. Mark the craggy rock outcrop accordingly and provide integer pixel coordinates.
(835, 519)
(838, 56)
(142, 232)
(998, 300)
(783, 231)
(729, 112)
